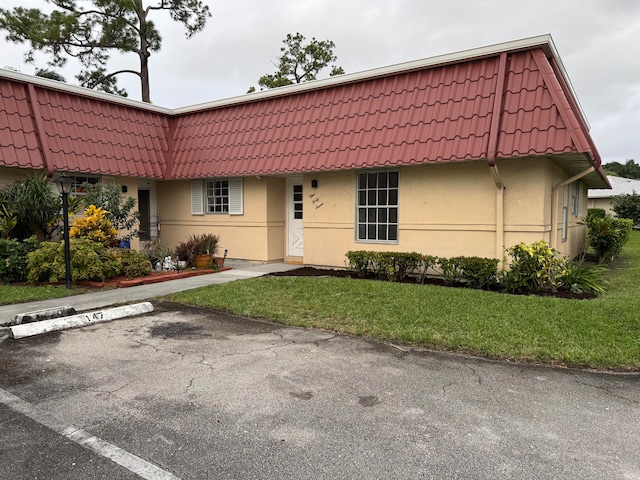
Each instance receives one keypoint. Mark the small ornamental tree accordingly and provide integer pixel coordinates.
(627, 206)
(120, 209)
(95, 226)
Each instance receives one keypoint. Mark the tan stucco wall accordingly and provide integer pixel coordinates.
(10, 175)
(444, 210)
(604, 203)
(257, 235)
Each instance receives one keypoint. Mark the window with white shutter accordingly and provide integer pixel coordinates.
(197, 198)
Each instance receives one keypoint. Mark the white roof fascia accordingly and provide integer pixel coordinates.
(82, 91)
(543, 41)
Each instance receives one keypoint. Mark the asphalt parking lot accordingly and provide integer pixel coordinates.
(194, 394)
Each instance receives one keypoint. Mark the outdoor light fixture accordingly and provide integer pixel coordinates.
(314, 183)
(64, 185)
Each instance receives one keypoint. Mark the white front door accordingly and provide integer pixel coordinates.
(295, 232)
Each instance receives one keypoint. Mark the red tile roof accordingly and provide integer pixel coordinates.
(414, 114)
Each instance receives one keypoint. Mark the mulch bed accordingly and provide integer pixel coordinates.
(327, 272)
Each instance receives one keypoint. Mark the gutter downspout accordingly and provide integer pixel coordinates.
(492, 149)
(554, 203)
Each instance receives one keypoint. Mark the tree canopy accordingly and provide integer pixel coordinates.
(91, 30)
(629, 169)
(301, 62)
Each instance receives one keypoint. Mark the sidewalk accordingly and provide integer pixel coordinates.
(105, 298)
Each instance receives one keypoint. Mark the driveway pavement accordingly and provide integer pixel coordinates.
(187, 393)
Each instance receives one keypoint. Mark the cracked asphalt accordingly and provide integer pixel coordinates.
(204, 395)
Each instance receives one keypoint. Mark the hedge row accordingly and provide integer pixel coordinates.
(475, 272)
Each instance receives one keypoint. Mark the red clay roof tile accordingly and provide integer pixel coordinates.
(438, 113)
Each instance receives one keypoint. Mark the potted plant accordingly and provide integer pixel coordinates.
(206, 247)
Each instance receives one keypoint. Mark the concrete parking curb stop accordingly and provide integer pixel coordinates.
(79, 320)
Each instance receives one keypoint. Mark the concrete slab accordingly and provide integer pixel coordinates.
(80, 320)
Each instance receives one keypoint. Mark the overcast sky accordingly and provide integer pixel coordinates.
(598, 42)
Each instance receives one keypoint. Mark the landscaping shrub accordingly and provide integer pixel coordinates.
(358, 261)
(607, 236)
(13, 258)
(33, 205)
(426, 262)
(450, 270)
(118, 207)
(46, 264)
(390, 266)
(95, 225)
(595, 213)
(394, 266)
(578, 278)
(478, 272)
(627, 206)
(533, 268)
(134, 263)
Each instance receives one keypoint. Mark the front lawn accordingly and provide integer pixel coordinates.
(11, 294)
(603, 333)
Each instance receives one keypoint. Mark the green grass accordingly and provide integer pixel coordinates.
(11, 294)
(603, 333)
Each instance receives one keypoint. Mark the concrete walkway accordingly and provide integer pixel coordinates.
(105, 298)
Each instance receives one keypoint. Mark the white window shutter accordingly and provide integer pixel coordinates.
(236, 206)
(197, 198)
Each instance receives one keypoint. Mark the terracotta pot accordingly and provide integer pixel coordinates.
(203, 261)
(218, 261)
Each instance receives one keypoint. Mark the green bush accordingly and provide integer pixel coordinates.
(578, 278)
(450, 269)
(426, 262)
(46, 264)
(595, 213)
(394, 266)
(134, 263)
(358, 261)
(533, 268)
(13, 258)
(390, 266)
(478, 272)
(627, 206)
(607, 236)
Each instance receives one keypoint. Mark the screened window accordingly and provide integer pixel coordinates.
(377, 207)
(217, 196)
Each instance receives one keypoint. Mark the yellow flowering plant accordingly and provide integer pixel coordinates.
(95, 225)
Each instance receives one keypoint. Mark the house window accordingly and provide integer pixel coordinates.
(217, 196)
(78, 187)
(377, 207)
(577, 199)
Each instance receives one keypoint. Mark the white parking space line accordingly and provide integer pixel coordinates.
(128, 460)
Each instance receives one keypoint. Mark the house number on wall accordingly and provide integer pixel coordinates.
(315, 200)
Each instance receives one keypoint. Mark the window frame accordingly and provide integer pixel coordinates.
(235, 194)
(218, 202)
(77, 189)
(391, 210)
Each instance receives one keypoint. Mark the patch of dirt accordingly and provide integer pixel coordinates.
(329, 272)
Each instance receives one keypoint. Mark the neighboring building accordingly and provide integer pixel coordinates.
(601, 197)
(461, 154)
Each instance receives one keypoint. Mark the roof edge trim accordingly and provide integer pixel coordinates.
(78, 90)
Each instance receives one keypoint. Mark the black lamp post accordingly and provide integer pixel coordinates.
(64, 185)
